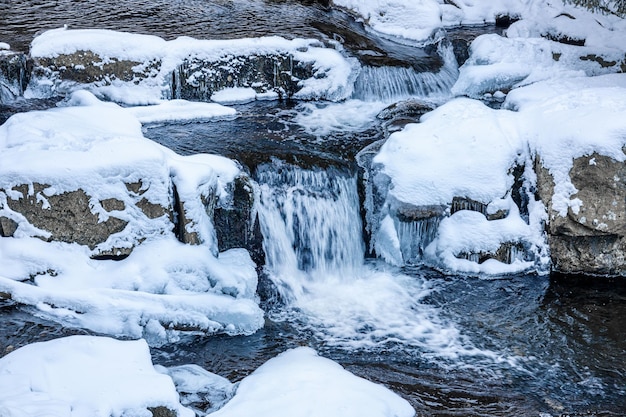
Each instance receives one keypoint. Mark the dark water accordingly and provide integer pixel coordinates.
(559, 342)
(21, 20)
(566, 333)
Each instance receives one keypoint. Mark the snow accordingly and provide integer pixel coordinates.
(84, 376)
(466, 149)
(301, 383)
(181, 110)
(163, 285)
(158, 59)
(4, 46)
(234, 95)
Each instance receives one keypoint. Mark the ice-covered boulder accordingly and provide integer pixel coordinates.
(140, 69)
(81, 183)
(86, 376)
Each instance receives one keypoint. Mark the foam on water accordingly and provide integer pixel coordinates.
(314, 247)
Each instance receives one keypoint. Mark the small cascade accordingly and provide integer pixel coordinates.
(388, 83)
(13, 76)
(310, 222)
(415, 236)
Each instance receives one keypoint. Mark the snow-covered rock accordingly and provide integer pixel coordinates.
(301, 383)
(465, 149)
(81, 182)
(85, 376)
(143, 69)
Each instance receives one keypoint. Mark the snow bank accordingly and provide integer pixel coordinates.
(4, 46)
(550, 42)
(300, 383)
(84, 376)
(149, 63)
(467, 150)
(163, 286)
(181, 110)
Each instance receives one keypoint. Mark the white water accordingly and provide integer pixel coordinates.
(390, 84)
(315, 255)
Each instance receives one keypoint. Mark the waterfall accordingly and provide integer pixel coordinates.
(387, 83)
(310, 222)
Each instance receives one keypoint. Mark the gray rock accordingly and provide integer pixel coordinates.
(87, 67)
(592, 241)
(198, 79)
(7, 226)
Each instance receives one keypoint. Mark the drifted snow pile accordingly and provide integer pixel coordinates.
(164, 285)
(89, 376)
(466, 149)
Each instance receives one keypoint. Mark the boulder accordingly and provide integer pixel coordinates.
(592, 239)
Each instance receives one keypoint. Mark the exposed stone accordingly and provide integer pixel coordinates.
(198, 79)
(162, 411)
(600, 60)
(151, 210)
(184, 224)
(8, 227)
(135, 187)
(592, 240)
(66, 216)
(87, 67)
(112, 204)
(406, 212)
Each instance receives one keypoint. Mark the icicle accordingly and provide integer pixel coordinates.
(415, 236)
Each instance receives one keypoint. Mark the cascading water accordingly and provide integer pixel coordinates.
(393, 83)
(311, 224)
(313, 242)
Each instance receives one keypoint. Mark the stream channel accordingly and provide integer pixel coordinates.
(522, 345)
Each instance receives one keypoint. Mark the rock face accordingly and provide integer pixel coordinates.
(73, 217)
(87, 67)
(592, 240)
(14, 75)
(197, 79)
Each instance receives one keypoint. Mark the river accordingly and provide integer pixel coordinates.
(522, 345)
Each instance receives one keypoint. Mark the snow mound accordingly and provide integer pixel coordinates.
(84, 376)
(301, 383)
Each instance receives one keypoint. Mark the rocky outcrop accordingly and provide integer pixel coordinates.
(198, 79)
(592, 239)
(88, 67)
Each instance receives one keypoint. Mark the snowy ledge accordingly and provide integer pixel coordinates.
(143, 69)
(81, 182)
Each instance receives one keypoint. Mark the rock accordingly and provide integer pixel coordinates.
(87, 67)
(70, 217)
(7, 226)
(592, 240)
(198, 79)
(236, 225)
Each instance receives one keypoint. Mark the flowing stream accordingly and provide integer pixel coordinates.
(453, 346)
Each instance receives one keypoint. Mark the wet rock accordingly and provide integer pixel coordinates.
(14, 75)
(592, 240)
(399, 114)
(198, 79)
(236, 224)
